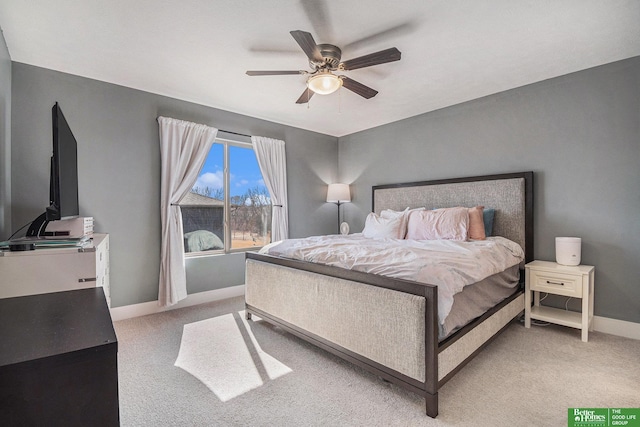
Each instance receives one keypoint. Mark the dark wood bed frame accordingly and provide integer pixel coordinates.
(428, 388)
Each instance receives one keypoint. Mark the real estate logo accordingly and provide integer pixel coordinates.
(588, 417)
(604, 417)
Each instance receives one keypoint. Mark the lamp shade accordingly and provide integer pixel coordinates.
(324, 83)
(338, 193)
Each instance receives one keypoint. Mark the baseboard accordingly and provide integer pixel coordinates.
(152, 307)
(620, 328)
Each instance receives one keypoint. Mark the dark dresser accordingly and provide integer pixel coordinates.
(58, 360)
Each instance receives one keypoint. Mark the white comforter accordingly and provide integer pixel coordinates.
(450, 265)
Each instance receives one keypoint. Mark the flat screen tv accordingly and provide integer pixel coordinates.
(63, 181)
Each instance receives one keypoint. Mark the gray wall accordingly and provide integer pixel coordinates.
(580, 135)
(5, 139)
(119, 172)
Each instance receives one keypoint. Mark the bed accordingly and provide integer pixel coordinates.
(389, 326)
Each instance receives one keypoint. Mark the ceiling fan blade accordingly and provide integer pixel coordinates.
(405, 28)
(274, 73)
(387, 55)
(318, 14)
(359, 88)
(308, 45)
(305, 97)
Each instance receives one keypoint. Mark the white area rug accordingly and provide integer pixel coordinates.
(223, 353)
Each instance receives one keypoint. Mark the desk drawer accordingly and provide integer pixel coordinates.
(556, 283)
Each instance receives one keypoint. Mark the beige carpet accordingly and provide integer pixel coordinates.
(251, 373)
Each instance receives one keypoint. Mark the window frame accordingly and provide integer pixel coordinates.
(226, 143)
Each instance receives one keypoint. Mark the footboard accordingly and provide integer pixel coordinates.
(392, 323)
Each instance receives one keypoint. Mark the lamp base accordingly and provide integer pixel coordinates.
(344, 228)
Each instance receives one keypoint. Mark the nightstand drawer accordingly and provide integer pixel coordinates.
(556, 283)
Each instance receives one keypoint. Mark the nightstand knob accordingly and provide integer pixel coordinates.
(549, 282)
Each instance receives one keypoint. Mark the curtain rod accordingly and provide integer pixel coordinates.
(220, 130)
(234, 133)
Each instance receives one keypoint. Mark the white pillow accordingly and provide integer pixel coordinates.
(439, 224)
(377, 226)
(389, 213)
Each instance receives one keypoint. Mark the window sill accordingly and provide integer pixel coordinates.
(203, 254)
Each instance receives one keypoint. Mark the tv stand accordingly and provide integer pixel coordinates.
(55, 269)
(37, 227)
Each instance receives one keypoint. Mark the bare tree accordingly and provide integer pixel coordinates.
(251, 211)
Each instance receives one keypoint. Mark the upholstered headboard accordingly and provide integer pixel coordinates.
(511, 195)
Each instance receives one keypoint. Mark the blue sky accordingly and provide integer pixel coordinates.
(244, 170)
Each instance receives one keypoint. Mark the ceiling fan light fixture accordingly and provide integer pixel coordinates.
(324, 83)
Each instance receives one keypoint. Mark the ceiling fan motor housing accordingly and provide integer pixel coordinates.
(330, 54)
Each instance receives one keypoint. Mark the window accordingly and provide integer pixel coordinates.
(229, 191)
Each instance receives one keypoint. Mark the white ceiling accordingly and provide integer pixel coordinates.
(198, 50)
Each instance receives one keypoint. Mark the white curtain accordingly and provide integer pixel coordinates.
(273, 165)
(184, 147)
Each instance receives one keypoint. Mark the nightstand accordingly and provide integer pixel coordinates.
(570, 281)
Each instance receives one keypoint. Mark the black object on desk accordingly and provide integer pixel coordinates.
(58, 360)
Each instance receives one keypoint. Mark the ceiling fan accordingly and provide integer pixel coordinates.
(324, 59)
